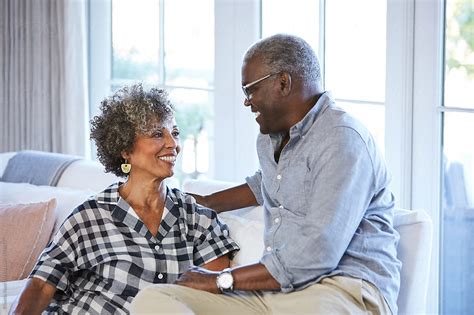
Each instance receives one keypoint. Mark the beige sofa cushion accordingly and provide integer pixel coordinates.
(25, 230)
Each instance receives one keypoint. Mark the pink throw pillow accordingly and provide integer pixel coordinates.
(25, 230)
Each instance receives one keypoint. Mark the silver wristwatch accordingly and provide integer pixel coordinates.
(225, 281)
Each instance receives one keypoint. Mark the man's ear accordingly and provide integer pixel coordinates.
(285, 83)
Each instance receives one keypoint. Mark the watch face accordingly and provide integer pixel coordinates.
(225, 280)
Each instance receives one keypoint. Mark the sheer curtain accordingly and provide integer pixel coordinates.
(43, 72)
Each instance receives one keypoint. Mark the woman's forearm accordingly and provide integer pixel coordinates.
(34, 298)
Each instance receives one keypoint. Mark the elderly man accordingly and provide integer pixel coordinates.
(330, 246)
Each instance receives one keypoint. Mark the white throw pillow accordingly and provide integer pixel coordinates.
(248, 234)
(246, 225)
(67, 199)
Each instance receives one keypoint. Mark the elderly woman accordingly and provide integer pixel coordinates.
(132, 234)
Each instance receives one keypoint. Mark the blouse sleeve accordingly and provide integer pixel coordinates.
(211, 237)
(59, 258)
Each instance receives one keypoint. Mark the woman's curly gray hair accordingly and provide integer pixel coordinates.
(124, 115)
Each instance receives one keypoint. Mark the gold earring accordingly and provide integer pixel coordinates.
(126, 167)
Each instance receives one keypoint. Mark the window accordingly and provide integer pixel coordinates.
(457, 210)
(135, 42)
(149, 44)
(353, 62)
(300, 17)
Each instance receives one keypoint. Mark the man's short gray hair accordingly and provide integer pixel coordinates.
(287, 53)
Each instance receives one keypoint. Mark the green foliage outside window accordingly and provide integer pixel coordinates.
(125, 67)
(460, 37)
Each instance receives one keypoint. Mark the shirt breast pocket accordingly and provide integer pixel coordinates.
(295, 187)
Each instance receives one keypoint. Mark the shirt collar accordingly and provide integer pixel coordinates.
(123, 212)
(110, 195)
(304, 125)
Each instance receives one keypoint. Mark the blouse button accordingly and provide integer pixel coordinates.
(278, 176)
(157, 247)
(160, 276)
(277, 220)
(269, 249)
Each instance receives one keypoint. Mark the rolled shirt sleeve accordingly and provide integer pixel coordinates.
(255, 184)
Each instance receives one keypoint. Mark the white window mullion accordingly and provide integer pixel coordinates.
(161, 21)
(427, 99)
(100, 56)
(322, 39)
(237, 26)
(399, 98)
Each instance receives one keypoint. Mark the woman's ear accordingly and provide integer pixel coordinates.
(125, 155)
(285, 83)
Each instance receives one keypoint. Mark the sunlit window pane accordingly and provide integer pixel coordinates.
(193, 116)
(457, 261)
(459, 52)
(355, 49)
(297, 17)
(189, 43)
(135, 40)
(372, 116)
(457, 243)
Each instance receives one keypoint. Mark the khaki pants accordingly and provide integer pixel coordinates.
(334, 295)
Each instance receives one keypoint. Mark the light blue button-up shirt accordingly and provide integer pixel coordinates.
(328, 210)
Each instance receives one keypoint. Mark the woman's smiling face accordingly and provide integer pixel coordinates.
(154, 154)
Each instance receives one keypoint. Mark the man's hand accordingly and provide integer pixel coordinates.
(199, 278)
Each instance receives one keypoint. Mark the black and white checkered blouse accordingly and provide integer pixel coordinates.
(103, 254)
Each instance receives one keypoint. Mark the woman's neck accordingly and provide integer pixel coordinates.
(145, 195)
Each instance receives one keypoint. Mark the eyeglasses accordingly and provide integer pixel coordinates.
(246, 87)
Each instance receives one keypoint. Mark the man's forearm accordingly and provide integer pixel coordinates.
(246, 278)
(254, 277)
(233, 198)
